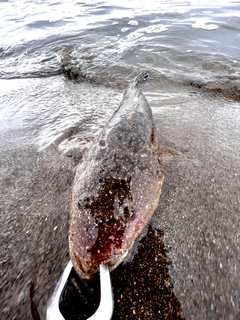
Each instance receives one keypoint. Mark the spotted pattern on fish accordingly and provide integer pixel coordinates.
(116, 187)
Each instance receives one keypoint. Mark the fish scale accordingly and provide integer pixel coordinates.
(116, 187)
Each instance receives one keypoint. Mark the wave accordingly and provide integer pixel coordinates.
(111, 67)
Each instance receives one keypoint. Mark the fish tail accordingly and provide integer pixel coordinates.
(141, 78)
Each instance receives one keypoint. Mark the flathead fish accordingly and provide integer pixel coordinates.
(116, 187)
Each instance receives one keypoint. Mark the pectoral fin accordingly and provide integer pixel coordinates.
(168, 155)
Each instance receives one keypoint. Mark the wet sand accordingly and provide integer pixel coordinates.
(35, 248)
(198, 214)
(34, 220)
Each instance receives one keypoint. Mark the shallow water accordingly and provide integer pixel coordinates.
(193, 40)
(191, 51)
(193, 43)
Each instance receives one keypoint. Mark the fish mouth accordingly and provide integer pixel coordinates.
(84, 270)
(87, 270)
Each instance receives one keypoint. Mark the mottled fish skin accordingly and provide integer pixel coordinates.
(116, 188)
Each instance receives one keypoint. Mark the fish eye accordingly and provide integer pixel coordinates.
(79, 204)
(128, 213)
(85, 203)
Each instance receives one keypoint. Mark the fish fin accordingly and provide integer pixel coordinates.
(168, 155)
(76, 147)
(73, 142)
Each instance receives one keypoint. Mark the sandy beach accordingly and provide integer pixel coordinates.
(192, 263)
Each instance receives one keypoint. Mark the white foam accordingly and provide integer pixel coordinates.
(133, 22)
(207, 12)
(202, 25)
(150, 29)
(156, 28)
(155, 20)
(135, 35)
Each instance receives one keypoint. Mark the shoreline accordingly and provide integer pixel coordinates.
(198, 209)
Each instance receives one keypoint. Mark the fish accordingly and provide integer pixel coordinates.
(117, 186)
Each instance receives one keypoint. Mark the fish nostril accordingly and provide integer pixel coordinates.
(102, 143)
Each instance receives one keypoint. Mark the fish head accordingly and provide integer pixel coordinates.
(104, 226)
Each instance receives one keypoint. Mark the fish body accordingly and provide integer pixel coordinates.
(116, 187)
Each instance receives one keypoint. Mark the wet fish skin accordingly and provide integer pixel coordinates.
(116, 187)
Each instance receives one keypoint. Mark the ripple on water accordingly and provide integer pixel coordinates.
(38, 34)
